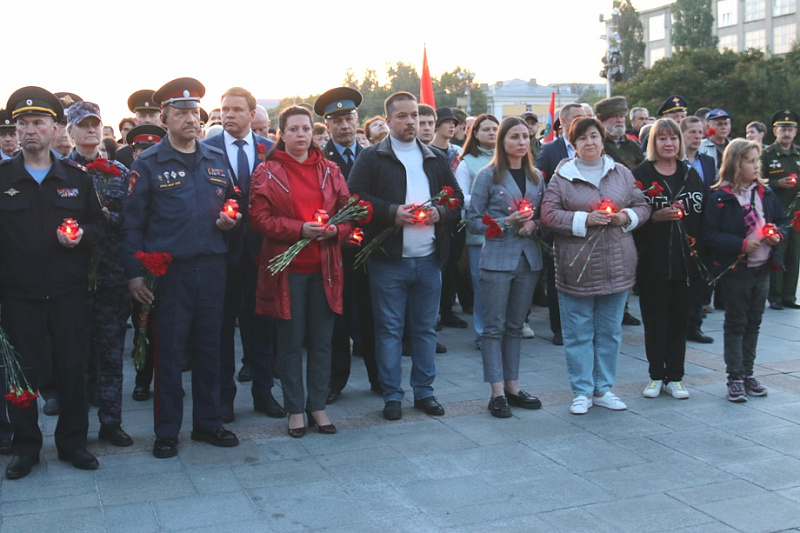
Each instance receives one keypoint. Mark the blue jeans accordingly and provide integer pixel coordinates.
(592, 331)
(393, 284)
(475, 274)
(507, 301)
(745, 299)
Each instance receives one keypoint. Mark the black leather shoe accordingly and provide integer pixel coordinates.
(20, 466)
(270, 406)
(630, 320)
(498, 407)
(226, 412)
(392, 410)
(141, 393)
(217, 437)
(441, 348)
(776, 306)
(165, 448)
(245, 374)
(697, 335)
(80, 458)
(452, 321)
(429, 406)
(524, 400)
(5, 447)
(558, 339)
(114, 434)
(333, 396)
(791, 305)
(51, 407)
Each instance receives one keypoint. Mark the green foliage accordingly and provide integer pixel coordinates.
(692, 26)
(747, 85)
(631, 39)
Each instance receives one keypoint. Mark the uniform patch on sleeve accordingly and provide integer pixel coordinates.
(68, 193)
(133, 177)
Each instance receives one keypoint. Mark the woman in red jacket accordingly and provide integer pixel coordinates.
(287, 189)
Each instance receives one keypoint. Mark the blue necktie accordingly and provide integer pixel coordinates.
(242, 164)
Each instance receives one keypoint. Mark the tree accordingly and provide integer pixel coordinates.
(692, 25)
(403, 77)
(451, 86)
(631, 39)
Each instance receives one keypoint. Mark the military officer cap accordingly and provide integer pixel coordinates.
(67, 99)
(203, 116)
(672, 104)
(338, 101)
(716, 113)
(35, 101)
(145, 135)
(79, 111)
(786, 117)
(142, 101)
(460, 115)
(183, 93)
(6, 122)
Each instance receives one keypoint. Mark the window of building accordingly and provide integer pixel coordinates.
(656, 54)
(783, 37)
(753, 10)
(756, 39)
(782, 7)
(726, 13)
(729, 42)
(656, 26)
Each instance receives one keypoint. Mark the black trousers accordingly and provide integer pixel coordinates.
(44, 333)
(665, 306)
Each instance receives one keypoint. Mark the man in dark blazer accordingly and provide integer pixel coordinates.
(339, 108)
(551, 155)
(245, 151)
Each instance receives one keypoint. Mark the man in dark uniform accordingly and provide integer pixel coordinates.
(244, 151)
(43, 277)
(145, 111)
(8, 135)
(339, 108)
(780, 164)
(175, 198)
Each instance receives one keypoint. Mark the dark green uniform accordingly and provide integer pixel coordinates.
(627, 152)
(776, 164)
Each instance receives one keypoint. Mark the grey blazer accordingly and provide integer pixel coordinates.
(498, 201)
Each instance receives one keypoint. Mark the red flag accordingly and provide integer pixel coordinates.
(549, 132)
(425, 82)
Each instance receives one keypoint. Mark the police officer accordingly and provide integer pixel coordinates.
(109, 299)
(43, 277)
(175, 198)
(780, 164)
(145, 111)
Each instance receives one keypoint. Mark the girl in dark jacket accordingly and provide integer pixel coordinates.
(666, 269)
(739, 208)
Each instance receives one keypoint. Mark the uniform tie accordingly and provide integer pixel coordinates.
(348, 159)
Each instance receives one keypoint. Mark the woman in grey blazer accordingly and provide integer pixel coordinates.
(510, 264)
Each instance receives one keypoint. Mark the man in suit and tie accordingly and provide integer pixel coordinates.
(245, 151)
(339, 108)
(551, 155)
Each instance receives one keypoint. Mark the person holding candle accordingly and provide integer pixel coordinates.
(43, 277)
(667, 269)
(292, 196)
(595, 259)
(740, 207)
(509, 190)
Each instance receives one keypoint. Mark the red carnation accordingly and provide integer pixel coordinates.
(487, 220)
(368, 216)
(448, 191)
(638, 185)
(261, 148)
(711, 132)
(654, 190)
(453, 203)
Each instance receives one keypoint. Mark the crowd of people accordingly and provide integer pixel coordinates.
(255, 228)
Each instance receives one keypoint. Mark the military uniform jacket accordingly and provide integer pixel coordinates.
(33, 264)
(629, 153)
(776, 165)
(172, 208)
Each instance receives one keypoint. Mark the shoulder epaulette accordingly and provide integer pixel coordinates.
(75, 164)
(770, 148)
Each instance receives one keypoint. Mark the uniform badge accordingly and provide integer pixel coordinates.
(166, 175)
(775, 164)
(220, 192)
(67, 193)
(12, 192)
(181, 173)
(173, 174)
(132, 179)
(215, 172)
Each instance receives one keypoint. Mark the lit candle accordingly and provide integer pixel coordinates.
(321, 216)
(356, 236)
(230, 207)
(607, 206)
(69, 227)
(679, 206)
(525, 207)
(768, 230)
(793, 179)
(420, 212)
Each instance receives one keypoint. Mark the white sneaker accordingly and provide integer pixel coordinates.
(653, 390)
(527, 332)
(610, 400)
(676, 389)
(580, 405)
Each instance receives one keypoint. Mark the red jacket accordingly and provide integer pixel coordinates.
(272, 215)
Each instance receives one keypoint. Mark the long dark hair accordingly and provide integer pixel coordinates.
(282, 119)
(500, 159)
(471, 145)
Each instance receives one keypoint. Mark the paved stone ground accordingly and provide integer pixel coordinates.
(703, 464)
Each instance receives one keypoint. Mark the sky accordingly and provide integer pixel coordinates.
(103, 50)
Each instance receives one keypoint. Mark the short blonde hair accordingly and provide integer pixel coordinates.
(730, 170)
(664, 126)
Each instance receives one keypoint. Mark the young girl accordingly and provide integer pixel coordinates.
(739, 207)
